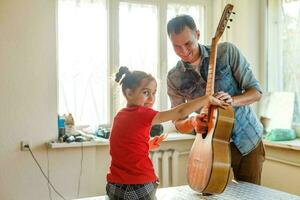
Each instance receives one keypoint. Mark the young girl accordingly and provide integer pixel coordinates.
(131, 174)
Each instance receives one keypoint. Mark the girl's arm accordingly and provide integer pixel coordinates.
(185, 109)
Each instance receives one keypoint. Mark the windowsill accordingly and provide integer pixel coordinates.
(98, 142)
(105, 142)
(291, 144)
(179, 136)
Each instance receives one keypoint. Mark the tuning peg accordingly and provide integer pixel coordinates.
(230, 20)
(228, 27)
(233, 13)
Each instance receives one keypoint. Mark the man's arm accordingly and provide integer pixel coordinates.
(181, 125)
(184, 125)
(248, 97)
(244, 76)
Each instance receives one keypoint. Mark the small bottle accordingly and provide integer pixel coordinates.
(61, 128)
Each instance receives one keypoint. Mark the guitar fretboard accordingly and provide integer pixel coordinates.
(211, 69)
(210, 85)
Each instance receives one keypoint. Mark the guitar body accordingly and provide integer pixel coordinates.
(210, 160)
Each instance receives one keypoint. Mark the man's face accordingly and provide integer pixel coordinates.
(185, 44)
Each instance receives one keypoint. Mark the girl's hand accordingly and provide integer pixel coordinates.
(162, 137)
(155, 141)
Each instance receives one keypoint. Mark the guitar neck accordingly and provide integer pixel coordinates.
(211, 69)
(210, 75)
(213, 52)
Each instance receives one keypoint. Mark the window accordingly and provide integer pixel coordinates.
(138, 39)
(197, 12)
(82, 60)
(284, 49)
(96, 37)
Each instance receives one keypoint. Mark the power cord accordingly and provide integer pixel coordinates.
(48, 174)
(49, 182)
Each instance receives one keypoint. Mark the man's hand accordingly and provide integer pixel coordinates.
(224, 97)
(200, 126)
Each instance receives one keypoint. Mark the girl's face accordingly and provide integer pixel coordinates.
(144, 95)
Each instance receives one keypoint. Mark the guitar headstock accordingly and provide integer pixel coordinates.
(223, 21)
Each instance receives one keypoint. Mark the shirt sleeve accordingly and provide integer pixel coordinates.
(241, 69)
(148, 114)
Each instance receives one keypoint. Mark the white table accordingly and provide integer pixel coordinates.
(234, 191)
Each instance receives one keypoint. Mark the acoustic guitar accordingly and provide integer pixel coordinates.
(210, 160)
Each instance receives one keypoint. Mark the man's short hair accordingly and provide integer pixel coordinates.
(178, 23)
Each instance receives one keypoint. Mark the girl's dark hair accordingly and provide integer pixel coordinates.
(131, 80)
(178, 23)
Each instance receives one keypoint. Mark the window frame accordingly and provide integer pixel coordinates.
(162, 69)
(162, 51)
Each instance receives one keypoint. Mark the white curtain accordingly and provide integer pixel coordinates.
(82, 60)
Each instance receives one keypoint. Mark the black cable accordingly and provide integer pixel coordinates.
(44, 174)
(80, 173)
(48, 174)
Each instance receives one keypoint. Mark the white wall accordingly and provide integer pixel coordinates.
(28, 108)
(28, 100)
(247, 32)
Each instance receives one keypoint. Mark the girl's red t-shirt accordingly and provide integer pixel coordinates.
(129, 148)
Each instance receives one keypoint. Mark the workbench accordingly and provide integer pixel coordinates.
(234, 191)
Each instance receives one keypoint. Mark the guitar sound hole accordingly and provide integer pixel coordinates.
(204, 135)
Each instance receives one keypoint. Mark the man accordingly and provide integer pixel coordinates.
(234, 83)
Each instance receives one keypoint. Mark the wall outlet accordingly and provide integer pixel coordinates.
(24, 145)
